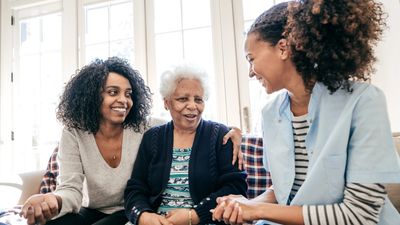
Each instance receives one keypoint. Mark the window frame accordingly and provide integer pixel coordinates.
(228, 37)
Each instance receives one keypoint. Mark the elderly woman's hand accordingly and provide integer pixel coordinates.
(40, 208)
(147, 218)
(183, 217)
(235, 134)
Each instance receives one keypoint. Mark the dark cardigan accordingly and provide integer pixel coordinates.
(211, 173)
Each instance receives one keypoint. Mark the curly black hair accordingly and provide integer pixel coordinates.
(80, 103)
(331, 41)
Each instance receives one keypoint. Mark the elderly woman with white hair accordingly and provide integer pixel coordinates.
(182, 166)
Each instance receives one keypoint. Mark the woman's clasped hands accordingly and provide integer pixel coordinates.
(234, 209)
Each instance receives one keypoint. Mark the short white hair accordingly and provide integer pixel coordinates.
(185, 71)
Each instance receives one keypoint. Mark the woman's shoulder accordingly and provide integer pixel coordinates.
(156, 121)
(275, 101)
(213, 125)
(359, 90)
(367, 89)
(75, 132)
(157, 128)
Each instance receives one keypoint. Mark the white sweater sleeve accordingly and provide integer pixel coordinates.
(71, 177)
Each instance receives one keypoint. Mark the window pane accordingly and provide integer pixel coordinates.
(30, 35)
(184, 37)
(247, 25)
(196, 52)
(167, 15)
(202, 55)
(96, 25)
(258, 98)
(51, 38)
(253, 8)
(109, 30)
(121, 21)
(50, 82)
(123, 49)
(99, 51)
(257, 93)
(37, 85)
(279, 1)
(168, 50)
(196, 13)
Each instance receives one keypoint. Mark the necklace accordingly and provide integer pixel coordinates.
(115, 154)
(109, 147)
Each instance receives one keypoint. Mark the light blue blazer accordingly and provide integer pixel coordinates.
(349, 140)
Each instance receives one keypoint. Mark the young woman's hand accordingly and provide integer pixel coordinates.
(235, 134)
(40, 208)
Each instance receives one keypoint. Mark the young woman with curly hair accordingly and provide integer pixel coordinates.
(327, 136)
(104, 110)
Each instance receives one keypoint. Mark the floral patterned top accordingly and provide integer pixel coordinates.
(176, 195)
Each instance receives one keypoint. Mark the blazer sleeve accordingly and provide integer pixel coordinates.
(137, 191)
(230, 180)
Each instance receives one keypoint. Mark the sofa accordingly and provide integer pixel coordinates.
(258, 179)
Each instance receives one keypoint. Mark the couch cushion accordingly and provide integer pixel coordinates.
(393, 190)
(258, 179)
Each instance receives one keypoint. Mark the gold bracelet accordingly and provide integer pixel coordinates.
(190, 216)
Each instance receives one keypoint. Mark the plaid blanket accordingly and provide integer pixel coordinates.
(49, 181)
(258, 179)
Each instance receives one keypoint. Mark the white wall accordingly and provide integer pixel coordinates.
(387, 75)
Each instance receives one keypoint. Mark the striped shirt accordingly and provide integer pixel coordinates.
(361, 203)
(176, 195)
(300, 129)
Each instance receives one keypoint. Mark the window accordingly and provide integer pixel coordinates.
(34, 88)
(108, 30)
(183, 32)
(50, 39)
(254, 96)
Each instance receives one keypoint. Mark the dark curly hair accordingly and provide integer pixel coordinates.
(331, 41)
(80, 103)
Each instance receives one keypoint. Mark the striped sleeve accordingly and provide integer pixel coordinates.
(361, 205)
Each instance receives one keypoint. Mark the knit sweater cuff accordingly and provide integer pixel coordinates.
(136, 212)
(203, 209)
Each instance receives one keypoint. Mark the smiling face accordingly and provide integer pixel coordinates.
(186, 104)
(267, 62)
(117, 101)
